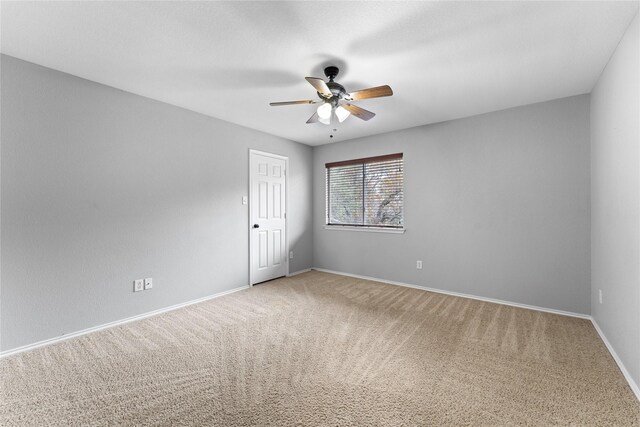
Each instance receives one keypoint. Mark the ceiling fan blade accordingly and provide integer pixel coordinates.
(313, 119)
(360, 113)
(275, 104)
(372, 92)
(319, 85)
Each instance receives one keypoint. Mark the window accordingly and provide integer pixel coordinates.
(366, 192)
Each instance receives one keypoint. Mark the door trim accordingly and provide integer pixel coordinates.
(286, 208)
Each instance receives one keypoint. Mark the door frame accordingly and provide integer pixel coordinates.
(286, 208)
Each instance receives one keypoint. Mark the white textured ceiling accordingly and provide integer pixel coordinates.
(444, 60)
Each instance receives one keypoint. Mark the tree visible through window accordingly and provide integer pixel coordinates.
(366, 192)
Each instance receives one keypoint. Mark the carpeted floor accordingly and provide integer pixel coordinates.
(319, 349)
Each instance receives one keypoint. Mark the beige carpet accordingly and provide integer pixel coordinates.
(319, 349)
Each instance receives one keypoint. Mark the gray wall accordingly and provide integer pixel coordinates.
(615, 201)
(100, 187)
(496, 205)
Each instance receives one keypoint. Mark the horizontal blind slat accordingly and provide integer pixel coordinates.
(376, 159)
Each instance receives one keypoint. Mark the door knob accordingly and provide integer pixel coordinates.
(256, 226)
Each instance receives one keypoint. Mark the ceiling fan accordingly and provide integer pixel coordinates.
(335, 101)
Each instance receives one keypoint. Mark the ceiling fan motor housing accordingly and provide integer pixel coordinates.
(336, 89)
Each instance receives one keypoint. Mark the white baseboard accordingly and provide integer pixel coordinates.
(458, 294)
(64, 337)
(295, 273)
(623, 369)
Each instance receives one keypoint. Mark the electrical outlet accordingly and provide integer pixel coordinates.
(148, 283)
(138, 285)
(419, 265)
(600, 295)
(291, 255)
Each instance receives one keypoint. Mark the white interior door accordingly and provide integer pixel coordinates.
(268, 243)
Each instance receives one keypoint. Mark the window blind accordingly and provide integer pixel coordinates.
(366, 192)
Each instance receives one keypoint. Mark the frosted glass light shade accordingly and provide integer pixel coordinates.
(342, 113)
(324, 111)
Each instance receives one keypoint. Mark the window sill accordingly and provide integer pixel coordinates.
(366, 229)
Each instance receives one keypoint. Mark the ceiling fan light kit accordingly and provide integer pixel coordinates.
(335, 101)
